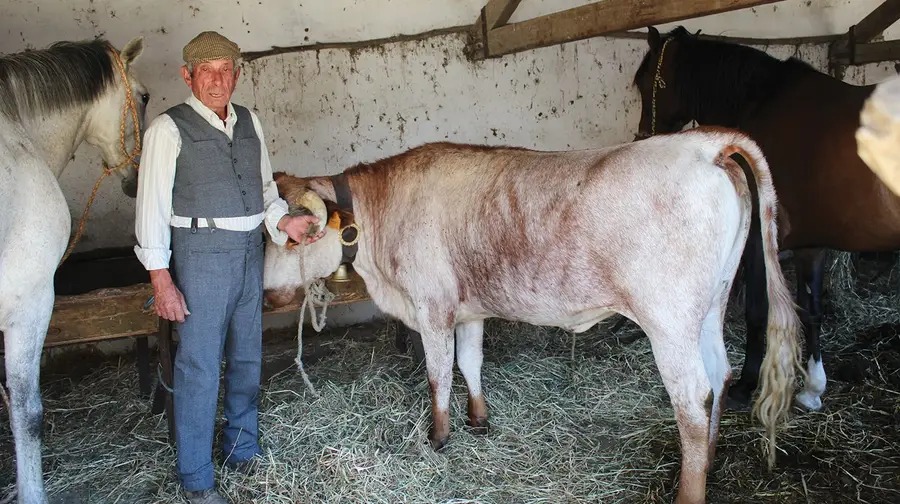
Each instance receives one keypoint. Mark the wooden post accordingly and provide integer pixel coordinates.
(855, 48)
(877, 21)
(142, 349)
(167, 361)
(861, 54)
(495, 13)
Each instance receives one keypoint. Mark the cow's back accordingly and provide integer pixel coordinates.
(531, 235)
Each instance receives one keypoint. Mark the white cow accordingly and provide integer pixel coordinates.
(450, 235)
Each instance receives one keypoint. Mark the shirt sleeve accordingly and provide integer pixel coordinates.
(153, 208)
(275, 206)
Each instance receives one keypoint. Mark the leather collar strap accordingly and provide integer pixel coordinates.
(345, 202)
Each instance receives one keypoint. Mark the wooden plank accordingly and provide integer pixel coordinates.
(100, 315)
(601, 18)
(495, 13)
(351, 291)
(841, 53)
(872, 52)
(118, 312)
(113, 313)
(877, 21)
(498, 12)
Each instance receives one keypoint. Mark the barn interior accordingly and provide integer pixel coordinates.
(575, 417)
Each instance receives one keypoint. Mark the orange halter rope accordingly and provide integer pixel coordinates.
(129, 158)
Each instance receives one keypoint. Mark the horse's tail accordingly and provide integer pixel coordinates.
(782, 361)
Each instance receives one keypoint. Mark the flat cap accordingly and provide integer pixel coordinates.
(210, 45)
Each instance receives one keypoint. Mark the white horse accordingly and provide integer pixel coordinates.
(50, 101)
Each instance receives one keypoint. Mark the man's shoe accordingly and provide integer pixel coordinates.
(208, 496)
(244, 467)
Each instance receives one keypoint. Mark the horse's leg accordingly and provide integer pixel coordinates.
(34, 242)
(24, 331)
(810, 266)
(756, 313)
(438, 343)
(469, 357)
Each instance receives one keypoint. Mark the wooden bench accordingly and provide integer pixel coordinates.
(121, 312)
(102, 315)
(107, 314)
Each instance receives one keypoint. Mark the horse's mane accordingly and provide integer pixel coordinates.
(719, 78)
(65, 74)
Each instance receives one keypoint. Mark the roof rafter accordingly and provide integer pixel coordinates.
(856, 47)
(492, 37)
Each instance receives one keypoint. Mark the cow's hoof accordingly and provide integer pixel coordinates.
(439, 443)
(479, 426)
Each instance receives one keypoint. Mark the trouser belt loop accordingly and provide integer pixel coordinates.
(194, 225)
(212, 225)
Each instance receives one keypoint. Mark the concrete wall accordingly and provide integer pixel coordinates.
(325, 110)
(404, 94)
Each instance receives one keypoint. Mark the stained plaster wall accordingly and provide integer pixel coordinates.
(325, 110)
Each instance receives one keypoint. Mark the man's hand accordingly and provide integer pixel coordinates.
(297, 226)
(169, 302)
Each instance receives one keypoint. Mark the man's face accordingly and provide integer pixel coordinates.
(212, 82)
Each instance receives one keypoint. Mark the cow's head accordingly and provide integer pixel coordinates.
(282, 274)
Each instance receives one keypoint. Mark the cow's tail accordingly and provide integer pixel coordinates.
(782, 362)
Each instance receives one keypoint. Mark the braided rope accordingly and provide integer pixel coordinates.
(315, 293)
(658, 83)
(129, 158)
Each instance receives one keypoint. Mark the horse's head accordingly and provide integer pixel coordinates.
(116, 121)
(663, 109)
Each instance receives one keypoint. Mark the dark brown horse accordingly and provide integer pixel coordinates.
(805, 122)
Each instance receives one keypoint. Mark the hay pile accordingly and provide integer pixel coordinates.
(585, 424)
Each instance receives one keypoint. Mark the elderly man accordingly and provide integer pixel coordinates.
(205, 188)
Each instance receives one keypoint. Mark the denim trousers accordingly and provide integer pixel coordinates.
(219, 272)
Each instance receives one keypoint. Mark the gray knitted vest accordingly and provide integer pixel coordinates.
(214, 176)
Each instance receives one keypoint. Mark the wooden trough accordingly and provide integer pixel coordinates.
(85, 314)
(100, 296)
(346, 291)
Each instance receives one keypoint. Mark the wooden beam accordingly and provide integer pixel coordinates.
(844, 52)
(495, 13)
(102, 314)
(353, 290)
(601, 18)
(872, 52)
(498, 12)
(877, 21)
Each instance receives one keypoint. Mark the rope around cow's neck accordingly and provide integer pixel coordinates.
(314, 293)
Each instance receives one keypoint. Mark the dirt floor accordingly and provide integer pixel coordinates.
(583, 423)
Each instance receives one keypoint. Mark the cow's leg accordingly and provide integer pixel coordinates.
(24, 331)
(756, 308)
(681, 363)
(469, 357)
(438, 346)
(810, 265)
(718, 369)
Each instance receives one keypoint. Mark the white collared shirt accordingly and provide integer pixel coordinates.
(156, 177)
